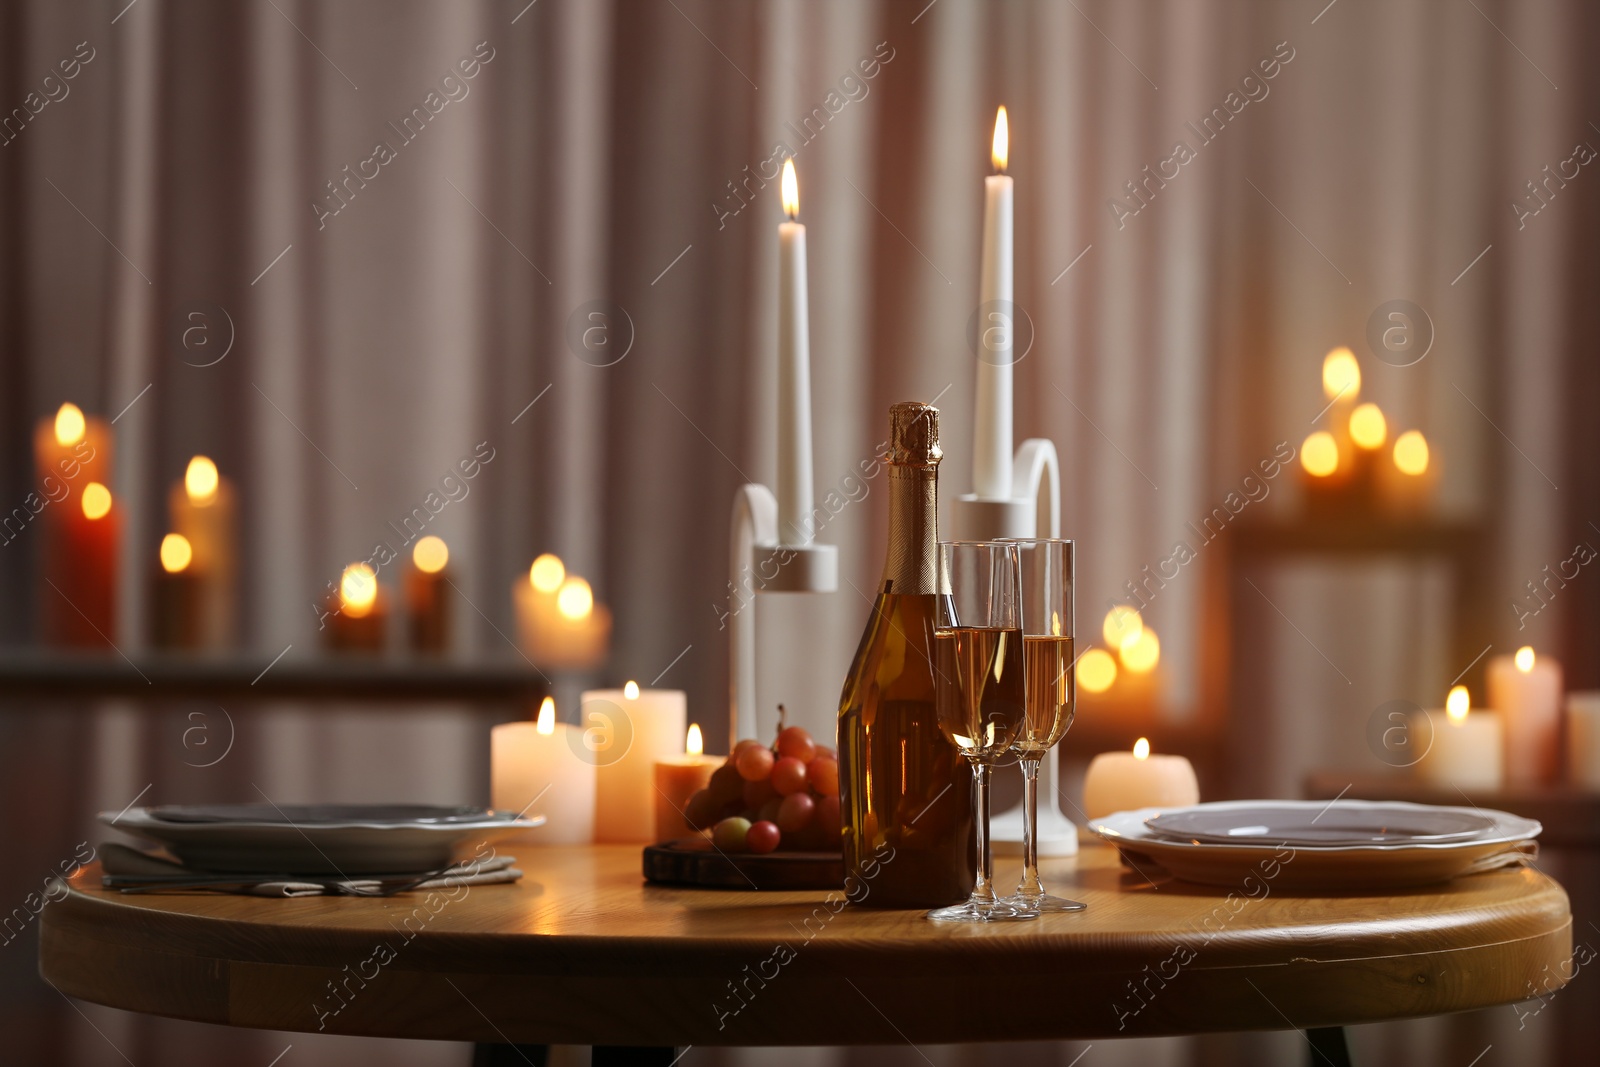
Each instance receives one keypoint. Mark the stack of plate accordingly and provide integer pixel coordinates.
(1317, 845)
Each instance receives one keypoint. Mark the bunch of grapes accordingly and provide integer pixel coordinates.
(765, 798)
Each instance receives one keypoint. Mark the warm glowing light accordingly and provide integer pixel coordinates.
(576, 599)
(431, 554)
(1341, 374)
(69, 425)
(547, 573)
(631, 691)
(1524, 659)
(1000, 148)
(1368, 428)
(1096, 670)
(1411, 452)
(791, 190)
(546, 722)
(694, 744)
(1456, 704)
(1141, 748)
(200, 480)
(1319, 454)
(176, 553)
(1122, 624)
(96, 501)
(1141, 654)
(358, 590)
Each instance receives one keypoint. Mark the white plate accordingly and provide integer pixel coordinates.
(319, 839)
(1317, 868)
(1293, 823)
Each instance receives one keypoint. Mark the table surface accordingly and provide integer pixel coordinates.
(582, 951)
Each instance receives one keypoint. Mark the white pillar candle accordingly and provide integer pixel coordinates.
(1123, 781)
(202, 508)
(542, 768)
(794, 373)
(630, 730)
(1583, 739)
(1465, 746)
(991, 442)
(1526, 689)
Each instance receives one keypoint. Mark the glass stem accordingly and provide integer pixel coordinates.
(983, 891)
(1030, 886)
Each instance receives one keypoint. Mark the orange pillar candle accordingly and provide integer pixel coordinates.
(1124, 781)
(73, 450)
(175, 616)
(203, 509)
(542, 768)
(678, 779)
(81, 566)
(357, 622)
(427, 606)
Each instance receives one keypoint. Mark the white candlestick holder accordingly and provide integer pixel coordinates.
(757, 563)
(1032, 510)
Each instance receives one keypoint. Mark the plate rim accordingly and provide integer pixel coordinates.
(143, 821)
(1485, 823)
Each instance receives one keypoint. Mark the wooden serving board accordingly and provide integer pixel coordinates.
(693, 861)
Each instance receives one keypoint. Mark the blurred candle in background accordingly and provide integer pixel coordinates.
(1526, 689)
(203, 509)
(427, 606)
(1465, 746)
(80, 603)
(991, 441)
(1583, 740)
(357, 619)
(679, 778)
(175, 604)
(72, 450)
(558, 621)
(630, 730)
(542, 768)
(1124, 781)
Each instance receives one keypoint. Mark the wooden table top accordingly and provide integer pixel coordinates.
(582, 951)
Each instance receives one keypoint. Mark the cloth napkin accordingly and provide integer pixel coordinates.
(132, 870)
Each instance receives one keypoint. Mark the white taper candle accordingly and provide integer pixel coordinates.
(794, 374)
(991, 446)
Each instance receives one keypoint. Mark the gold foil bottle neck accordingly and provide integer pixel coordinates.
(914, 435)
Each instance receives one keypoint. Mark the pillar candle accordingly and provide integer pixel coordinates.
(1465, 747)
(679, 778)
(991, 443)
(358, 612)
(203, 509)
(1526, 689)
(541, 768)
(558, 621)
(175, 605)
(1123, 781)
(630, 730)
(80, 602)
(427, 600)
(72, 450)
(794, 373)
(1583, 740)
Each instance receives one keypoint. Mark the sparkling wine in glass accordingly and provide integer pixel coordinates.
(980, 690)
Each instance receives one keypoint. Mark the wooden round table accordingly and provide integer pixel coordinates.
(582, 951)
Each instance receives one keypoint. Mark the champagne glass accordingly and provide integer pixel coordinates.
(979, 689)
(1046, 597)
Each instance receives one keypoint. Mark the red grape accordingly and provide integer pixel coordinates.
(701, 811)
(754, 763)
(730, 834)
(762, 836)
(823, 774)
(795, 812)
(827, 817)
(769, 810)
(788, 775)
(758, 793)
(796, 741)
(725, 783)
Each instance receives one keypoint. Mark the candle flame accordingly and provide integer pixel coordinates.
(1368, 428)
(1141, 748)
(1457, 704)
(1000, 147)
(1341, 374)
(1319, 454)
(69, 425)
(176, 552)
(1524, 659)
(631, 690)
(200, 480)
(431, 554)
(693, 744)
(358, 590)
(546, 723)
(790, 187)
(576, 599)
(96, 501)
(1096, 670)
(1122, 623)
(547, 573)
(1411, 452)
(1141, 654)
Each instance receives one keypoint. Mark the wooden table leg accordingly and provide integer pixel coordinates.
(510, 1055)
(633, 1056)
(1328, 1047)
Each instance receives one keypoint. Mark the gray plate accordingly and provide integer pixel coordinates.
(1335, 824)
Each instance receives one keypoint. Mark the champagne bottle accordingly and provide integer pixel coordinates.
(905, 792)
